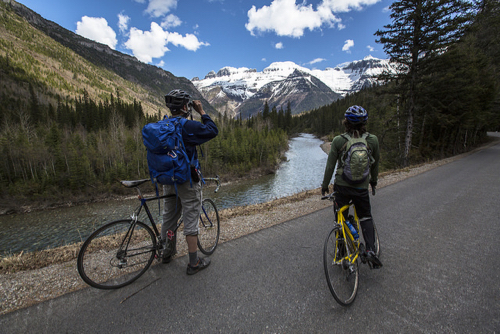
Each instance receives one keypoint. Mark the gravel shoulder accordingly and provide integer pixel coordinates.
(26, 288)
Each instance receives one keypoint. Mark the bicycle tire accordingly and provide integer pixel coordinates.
(103, 263)
(377, 241)
(208, 227)
(342, 277)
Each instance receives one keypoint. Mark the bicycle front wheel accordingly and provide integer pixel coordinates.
(208, 227)
(342, 275)
(116, 254)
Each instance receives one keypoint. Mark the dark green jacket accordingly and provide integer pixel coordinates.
(335, 155)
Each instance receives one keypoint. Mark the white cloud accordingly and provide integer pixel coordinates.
(97, 29)
(171, 21)
(146, 45)
(317, 60)
(189, 41)
(279, 46)
(343, 6)
(370, 48)
(123, 21)
(348, 44)
(158, 8)
(287, 18)
(263, 59)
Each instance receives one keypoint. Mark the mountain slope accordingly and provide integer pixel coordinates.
(302, 90)
(87, 64)
(235, 90)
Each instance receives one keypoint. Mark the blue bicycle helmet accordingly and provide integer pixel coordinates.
(356, 115)
(176, 99)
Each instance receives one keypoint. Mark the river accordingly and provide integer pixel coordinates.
(303, 170)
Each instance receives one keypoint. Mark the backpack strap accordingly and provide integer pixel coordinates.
(192, 160)
(347, 138)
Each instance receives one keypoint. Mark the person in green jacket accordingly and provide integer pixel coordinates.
(355, 126)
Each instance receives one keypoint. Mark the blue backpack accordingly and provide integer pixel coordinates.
(168, 161)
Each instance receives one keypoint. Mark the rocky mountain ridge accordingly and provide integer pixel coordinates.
(244, 91)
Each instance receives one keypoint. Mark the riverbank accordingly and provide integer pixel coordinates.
(28, 279)
(19, 206)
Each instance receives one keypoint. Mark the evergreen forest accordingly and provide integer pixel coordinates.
(81, 148)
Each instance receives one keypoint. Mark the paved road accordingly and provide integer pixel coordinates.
(441, 273)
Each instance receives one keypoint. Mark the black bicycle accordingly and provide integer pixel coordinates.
(119, 252)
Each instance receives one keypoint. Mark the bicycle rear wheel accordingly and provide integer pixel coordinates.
(208, 227)
(116, 254)
(377, 242)
(342, 275)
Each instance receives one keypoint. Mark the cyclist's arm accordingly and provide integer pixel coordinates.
(197, 133)
(374, 146)
(330, 163)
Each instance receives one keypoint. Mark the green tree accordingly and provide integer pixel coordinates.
(265, 113)
(420, 31)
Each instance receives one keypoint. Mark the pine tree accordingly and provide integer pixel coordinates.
(419, 32)
(265, 113)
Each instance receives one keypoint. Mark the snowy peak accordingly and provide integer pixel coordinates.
(231, 88)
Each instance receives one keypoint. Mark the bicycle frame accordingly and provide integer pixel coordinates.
(346, 232)
(144, 200)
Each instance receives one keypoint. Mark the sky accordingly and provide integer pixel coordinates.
(190, 38)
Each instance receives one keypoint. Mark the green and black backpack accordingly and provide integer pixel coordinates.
(356, 159)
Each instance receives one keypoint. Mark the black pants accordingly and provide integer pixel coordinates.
(361, 200)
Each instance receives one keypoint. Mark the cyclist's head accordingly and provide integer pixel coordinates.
(176, 100)
(356, 115)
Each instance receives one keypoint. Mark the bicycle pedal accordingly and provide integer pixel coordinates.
(363, 258)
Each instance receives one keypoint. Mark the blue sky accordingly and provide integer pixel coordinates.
(192, 37)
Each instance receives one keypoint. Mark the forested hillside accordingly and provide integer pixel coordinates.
(440, 103)
(80, 150)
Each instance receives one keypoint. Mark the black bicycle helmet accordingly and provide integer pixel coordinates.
(356, 115)
(176, 99)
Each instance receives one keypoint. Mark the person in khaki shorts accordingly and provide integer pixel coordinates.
(188, 199)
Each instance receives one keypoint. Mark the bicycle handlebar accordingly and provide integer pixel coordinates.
(331, 196)
(216, 180)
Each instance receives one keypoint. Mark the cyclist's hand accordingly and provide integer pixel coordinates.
(374, 186)
(324, 191)
(198, 107)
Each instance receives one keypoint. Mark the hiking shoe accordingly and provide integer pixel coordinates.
(168, 251)
(202, 264)
(373, 260)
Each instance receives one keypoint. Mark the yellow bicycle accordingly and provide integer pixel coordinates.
(342, 252)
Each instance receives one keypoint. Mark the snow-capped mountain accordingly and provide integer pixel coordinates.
(244, 91)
